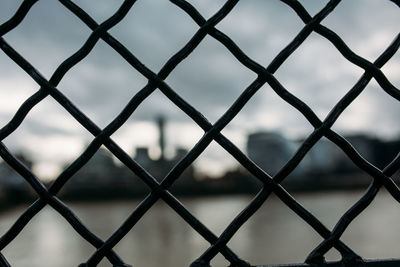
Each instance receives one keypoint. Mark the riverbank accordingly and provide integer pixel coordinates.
(212, 187)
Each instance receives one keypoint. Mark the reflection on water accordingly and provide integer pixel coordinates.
(274, 235)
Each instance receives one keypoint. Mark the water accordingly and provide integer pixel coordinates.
(274, 235)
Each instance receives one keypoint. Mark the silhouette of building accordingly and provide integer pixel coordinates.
(269, 150)
(160, 167)
(324, 167)
(324, 156)
(161, 136)
(102, 177)
(12, 184)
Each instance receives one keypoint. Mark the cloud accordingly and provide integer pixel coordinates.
(210, 79)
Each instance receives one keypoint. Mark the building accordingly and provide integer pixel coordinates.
(12, 184)
(160, 167)
(269, 150)
(101, 177)
(324, 156)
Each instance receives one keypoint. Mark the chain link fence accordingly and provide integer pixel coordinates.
(212, 132)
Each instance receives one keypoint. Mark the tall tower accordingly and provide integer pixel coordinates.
(161, 140)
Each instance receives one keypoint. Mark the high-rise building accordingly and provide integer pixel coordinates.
(269, 150)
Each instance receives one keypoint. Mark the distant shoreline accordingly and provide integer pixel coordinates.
(95, 196)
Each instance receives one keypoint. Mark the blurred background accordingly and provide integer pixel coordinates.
(158, 134)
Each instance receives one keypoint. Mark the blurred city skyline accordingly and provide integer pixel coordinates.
(210, 78)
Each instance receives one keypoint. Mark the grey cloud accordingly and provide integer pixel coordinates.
(38, 127)
(210, 78)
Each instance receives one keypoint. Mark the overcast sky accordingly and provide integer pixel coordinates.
(210, 78)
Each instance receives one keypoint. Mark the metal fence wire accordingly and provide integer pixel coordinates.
(156, 81)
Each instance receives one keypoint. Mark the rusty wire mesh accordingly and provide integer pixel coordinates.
(156, 81)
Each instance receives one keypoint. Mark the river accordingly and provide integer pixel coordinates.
(161, 238)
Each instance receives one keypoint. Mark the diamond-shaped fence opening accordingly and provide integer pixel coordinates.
(157, 81)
